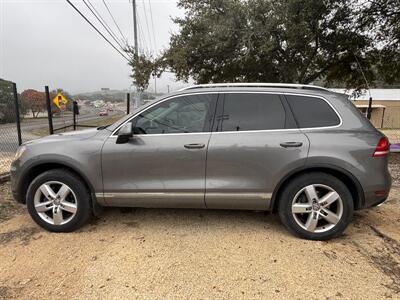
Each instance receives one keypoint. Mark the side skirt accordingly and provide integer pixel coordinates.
(244, 201)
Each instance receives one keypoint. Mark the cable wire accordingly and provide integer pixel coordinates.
(147, 26)
(142, 36)
(112, 17)
(94, 27)
(102, 22)
(152, 25)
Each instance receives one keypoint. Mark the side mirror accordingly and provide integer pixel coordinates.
(125, 133)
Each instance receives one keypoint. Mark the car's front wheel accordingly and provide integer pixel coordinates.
(316, 206)
(58, 201)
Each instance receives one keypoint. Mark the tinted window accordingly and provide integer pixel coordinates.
(238, 112)
(312, 112)
(179, 115)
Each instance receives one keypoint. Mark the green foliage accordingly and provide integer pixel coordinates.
(7, 105)
(381, 19)
(142, 68)
(294, 41)
(267, 41)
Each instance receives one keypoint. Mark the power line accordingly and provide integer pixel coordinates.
(94, 27)
(147, 25)
(142, 36)
(119, 29)
(152, 26)
(102, 22)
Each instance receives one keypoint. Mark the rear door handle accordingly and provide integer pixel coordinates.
(194, 146)
(291, 144)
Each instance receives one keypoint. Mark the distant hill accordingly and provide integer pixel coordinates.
(111, 95)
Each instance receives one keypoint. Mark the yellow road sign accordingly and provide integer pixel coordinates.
(60, 100)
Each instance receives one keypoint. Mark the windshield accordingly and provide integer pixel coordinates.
(114, 125)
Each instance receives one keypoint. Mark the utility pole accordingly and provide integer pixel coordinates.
(135, 26)
(168, 88)
(155, 85)
(135, 32)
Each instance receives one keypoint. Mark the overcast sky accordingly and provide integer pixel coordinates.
(48, 43)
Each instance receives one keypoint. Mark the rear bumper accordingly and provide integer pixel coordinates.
(377, 193)
(376, 202)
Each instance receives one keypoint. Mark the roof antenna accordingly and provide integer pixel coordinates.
(369, 109)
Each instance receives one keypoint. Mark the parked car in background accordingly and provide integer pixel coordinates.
(299, 150)
(103, 113)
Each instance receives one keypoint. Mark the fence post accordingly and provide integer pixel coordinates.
(49, 115)
(74, 119)
(75, 112)
(369, 109)
(128, 102)
(17, 117)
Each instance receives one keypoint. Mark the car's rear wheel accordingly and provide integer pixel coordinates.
(316, 206)
(58, 201)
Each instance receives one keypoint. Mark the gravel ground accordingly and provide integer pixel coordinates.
(394, 167)
(161, 253)
(392, 134)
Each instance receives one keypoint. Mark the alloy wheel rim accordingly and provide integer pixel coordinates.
(317, 208)
(55, 203)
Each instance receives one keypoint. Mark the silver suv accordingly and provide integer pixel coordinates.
(302, 151)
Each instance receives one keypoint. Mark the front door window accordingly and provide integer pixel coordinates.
(185, 114)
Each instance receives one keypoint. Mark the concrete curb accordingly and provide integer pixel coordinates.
(4, 177)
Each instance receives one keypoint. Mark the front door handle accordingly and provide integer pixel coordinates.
(291, 144)
(194, 146)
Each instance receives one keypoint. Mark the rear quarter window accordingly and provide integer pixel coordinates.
(311, 112)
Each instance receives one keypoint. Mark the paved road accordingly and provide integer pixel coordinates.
(9, 137)
(8, 132)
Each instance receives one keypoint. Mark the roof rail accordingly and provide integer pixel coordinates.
(256, 84)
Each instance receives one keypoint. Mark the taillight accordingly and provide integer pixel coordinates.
(382, 148)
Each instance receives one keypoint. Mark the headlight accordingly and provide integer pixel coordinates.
(20, 151)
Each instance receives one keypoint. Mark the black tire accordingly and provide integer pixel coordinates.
(297, 184)
(74, 182)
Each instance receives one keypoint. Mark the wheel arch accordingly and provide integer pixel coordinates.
(343, 175)
(38, 168)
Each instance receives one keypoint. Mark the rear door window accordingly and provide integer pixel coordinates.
(249, 111)
(311, 112)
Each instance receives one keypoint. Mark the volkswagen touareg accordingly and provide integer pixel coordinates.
(300, 150)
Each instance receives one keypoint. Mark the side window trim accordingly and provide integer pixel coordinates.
(217, 102)
(218, 111)
(290, 121)
(212, 113)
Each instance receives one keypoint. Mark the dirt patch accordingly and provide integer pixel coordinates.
(8, 206)
(7, 292)
(22, 234)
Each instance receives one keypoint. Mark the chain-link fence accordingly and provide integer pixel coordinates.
(10, 136)
(35, 114)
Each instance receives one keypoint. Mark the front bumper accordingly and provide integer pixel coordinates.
(14, 182)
